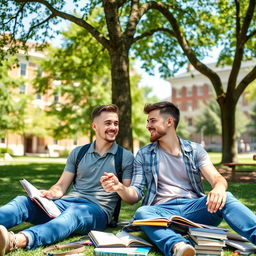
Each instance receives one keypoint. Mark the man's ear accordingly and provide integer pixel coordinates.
(170, 121)
(94, 126)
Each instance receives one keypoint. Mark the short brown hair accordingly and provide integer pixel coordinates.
(165, 107)
(108, 108)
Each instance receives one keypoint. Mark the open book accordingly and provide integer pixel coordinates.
(121, 239)
(167, 222)
(47, 205)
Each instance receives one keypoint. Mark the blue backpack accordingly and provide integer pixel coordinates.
(118, 166)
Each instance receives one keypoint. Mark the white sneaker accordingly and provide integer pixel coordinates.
(183, 249)
(7, 241)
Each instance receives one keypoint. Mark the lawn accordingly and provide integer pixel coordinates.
(43, 173)
(242, 158)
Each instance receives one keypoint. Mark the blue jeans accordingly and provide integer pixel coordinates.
(238, 216)
(77, 216)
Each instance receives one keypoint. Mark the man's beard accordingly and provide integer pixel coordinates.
(157, 136)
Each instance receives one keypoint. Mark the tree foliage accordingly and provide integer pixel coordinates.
(192, 31)
(252, 125)
(78, 72)
(171, 33)
(209, 121)
(12, 104)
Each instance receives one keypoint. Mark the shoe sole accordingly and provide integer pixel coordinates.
(4, 237)
(189, 252)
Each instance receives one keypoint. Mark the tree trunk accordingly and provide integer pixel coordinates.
(121, 95)
(229, 138)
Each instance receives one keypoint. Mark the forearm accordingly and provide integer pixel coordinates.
(220, 183)
(128, 194)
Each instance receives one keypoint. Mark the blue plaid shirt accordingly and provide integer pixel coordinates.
(145, 173)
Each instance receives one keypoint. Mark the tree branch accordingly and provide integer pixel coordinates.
(201, 67)
(238, 26)
(247, 20)
(151, 32)
(80, 22)
(253, 33)
(250, 77)
(39, 24)
(241, 39)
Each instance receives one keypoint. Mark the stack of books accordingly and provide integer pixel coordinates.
(122, 243)
(208, 241)
(240, 244)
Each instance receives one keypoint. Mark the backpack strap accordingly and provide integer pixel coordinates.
(119, 172)
(81, 154)
(118, 167)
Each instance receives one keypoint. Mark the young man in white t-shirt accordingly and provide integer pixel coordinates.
(171, 169)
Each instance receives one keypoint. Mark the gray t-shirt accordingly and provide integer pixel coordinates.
(173, 181)
(91, 167)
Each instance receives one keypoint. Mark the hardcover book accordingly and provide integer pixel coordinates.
(173, 220)
(132, 251)
(241, 246)
(47, 205)
(121, 239)
(206, 241)
(206, 232)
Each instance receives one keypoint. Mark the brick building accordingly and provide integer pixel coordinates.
(191, 89)
(30, 143)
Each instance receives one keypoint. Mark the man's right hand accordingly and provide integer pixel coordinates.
(50, 194)
(110, 182)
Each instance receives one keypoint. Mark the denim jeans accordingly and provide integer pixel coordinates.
(238, 216)
(77, 216)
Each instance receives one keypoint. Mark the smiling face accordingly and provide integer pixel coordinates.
(106, 126)
(156, 125)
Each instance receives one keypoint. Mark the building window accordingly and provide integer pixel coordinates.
(55, 142)
(178, 93)
(209, 90)
(22, 89)
(189, 106)
(200, 91)
(56, 98)
(2, 140)
(23, 69)
(39, 96)
(190, 121)
(75, 142)
(189, 92)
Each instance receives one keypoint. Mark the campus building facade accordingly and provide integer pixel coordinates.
(191, 90)
(29, 143)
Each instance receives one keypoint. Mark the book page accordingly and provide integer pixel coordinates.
(48, 205)
(129, 239)
(102, 239)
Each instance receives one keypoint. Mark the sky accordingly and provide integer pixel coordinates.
(160, 87)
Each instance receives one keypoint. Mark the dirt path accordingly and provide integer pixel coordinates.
(238, 176)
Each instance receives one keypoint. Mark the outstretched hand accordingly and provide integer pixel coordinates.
(110, 182)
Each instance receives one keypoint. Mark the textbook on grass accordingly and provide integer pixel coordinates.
(131, 251)
(47, 205)
(121, 239)
(168, 222)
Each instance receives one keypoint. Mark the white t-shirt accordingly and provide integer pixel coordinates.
(173, 181)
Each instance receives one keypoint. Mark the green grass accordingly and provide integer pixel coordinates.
(242, 158)
(43, 173)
